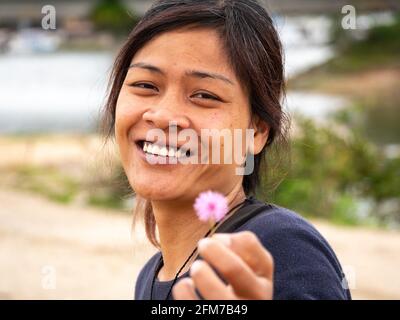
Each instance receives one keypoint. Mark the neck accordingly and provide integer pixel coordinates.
(180, 230)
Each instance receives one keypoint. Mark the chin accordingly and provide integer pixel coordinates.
(157, 191)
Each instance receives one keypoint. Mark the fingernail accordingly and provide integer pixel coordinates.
(202, 243)
(223, 238)
(195, 267)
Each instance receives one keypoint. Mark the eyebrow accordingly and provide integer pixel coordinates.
(190, 73)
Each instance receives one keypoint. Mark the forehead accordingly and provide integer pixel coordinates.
(186, 48)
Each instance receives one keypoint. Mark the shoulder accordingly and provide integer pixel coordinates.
(306, 266)
(278, 221)
(285, 231)
(144, 277)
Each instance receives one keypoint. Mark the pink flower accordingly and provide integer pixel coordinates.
(211, 206)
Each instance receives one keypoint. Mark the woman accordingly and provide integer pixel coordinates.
(212, 64)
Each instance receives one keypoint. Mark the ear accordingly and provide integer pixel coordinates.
(261, 133)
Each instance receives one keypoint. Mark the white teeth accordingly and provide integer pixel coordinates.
(155, 149)
(164, 152)
(148, 147)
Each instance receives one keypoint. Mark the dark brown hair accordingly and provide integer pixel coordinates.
(254, 51)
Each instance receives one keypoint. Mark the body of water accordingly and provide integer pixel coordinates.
(65, 91)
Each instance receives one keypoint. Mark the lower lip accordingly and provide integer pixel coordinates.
(156, 160)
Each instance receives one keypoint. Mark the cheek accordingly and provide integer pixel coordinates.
(237, 123)
(126, 115)
(235, 119)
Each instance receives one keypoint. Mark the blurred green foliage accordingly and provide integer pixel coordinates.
(379, 116)
(49, 182)
(380, 46)
(344, 170)
(108, 189)
(113, 16)
(338, 174)
(111, 191)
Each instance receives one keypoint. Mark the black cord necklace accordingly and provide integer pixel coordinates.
(160, 263)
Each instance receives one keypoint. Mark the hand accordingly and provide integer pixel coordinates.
(240, 259)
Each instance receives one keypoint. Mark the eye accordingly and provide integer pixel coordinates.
(205, 95)
(144, 85)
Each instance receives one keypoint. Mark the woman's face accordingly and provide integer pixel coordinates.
(182, 76)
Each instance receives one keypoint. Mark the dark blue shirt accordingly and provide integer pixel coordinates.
(305, 265)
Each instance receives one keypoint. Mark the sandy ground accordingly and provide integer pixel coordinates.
(66, 252)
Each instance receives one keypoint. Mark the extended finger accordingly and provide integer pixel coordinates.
(209, 285)
(233, 269)
(247, 245)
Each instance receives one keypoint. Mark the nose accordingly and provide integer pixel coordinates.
(166, 112)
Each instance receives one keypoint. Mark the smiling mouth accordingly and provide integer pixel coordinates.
(163, 150)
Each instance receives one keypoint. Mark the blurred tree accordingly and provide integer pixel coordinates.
(332, 173)
(343, 170)
(362, 50)
(113, 16)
